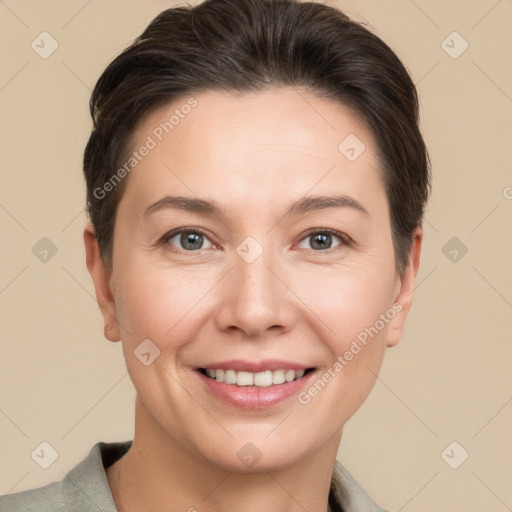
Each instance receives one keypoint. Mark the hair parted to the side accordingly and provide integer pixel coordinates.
(251, 45)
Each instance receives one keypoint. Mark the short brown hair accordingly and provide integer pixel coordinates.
(252, 45)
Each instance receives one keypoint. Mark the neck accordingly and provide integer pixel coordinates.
(160, 474)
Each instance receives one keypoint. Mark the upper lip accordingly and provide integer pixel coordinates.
(255, 366)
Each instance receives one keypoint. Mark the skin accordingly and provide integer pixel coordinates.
(254, 154)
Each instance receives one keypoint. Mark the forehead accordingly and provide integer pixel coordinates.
(257, 147)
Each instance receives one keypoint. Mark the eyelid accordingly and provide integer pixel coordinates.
(177, 231)
(345, 239)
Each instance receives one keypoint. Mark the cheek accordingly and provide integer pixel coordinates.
(159, 304)
(354, 313)
(353, 309)
(164, 303)
(346, 301)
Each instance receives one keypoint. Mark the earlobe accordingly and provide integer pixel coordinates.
(101, 280)
(403, 301)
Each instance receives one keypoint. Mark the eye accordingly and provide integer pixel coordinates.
(193, 239)
(322, 239)
(189, 239)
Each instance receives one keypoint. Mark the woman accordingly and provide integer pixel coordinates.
(256, 182)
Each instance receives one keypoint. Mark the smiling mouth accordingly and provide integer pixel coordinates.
(259, 379)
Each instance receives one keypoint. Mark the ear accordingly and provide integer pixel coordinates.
(101, 280)
(403, 300)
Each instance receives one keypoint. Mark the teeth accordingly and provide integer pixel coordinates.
(244, 378)
(278, 377)
(230, 377)
(263, 379)
(260, 379)
(289, 375)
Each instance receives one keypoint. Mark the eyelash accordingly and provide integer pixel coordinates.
(345, 240)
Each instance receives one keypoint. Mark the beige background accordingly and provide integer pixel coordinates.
(450, 378)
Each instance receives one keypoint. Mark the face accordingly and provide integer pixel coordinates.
(257, 290)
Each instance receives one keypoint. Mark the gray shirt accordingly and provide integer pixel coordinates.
(85, 488)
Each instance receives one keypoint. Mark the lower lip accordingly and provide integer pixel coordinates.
(254, 397)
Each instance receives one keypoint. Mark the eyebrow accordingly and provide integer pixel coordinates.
(212, 208)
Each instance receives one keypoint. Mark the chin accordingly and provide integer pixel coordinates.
(255, 454)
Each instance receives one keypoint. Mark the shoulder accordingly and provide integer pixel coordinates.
(49, 498)
(83, 489)
(349, 494)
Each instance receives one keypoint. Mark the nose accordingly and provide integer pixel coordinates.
(255, 298)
